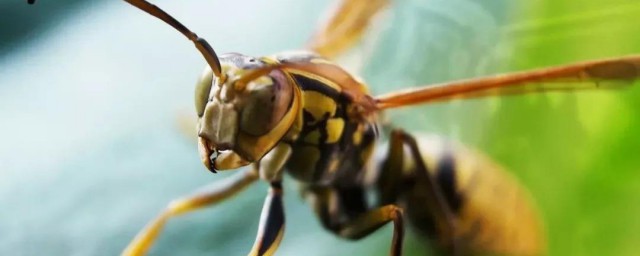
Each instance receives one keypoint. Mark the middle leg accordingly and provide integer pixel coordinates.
(416, 180)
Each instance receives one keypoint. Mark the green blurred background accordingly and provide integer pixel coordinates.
(90, 91)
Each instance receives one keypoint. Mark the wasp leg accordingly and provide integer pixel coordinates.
(345, 27)
(374, 219)
(440, 209)
(331, 206)
(272, 223)
(204, 198)
(391, 177)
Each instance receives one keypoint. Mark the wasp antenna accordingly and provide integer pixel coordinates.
(207, 51)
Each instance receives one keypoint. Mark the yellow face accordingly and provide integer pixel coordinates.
(238, 124)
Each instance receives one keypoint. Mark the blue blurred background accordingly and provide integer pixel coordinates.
(90, 92)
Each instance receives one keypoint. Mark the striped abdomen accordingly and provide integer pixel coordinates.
(494, 213)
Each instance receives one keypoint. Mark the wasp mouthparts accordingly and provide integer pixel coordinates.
(212, 159)
(207, 154)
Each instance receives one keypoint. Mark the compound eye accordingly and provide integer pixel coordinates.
(203, 88)
(266, 105)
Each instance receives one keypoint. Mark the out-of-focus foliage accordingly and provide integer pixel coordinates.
(584, 168)
(90, 149)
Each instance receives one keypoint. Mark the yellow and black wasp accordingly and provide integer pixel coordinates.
(299, 113)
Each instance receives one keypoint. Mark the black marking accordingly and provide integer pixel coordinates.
(345, 141)
(423, 222)
(276, 185)
(324, 134)
(326, 151)
(446, 178)
(310, 84)
(325, 195)
(353, 201)
(212, 160)
(275, 219)
(308, 120)
(31, 1)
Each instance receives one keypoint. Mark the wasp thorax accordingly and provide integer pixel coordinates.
(235, 118)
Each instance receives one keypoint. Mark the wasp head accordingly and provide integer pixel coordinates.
(239, 121)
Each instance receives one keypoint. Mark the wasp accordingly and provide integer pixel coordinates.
(301, 114)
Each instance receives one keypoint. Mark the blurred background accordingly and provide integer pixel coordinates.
(90, 92)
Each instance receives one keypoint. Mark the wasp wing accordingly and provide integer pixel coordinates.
(345, 26)
(600, 74)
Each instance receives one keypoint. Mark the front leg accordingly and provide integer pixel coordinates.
(272, 222)
(271, 229)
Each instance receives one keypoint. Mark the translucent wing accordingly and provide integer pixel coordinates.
(609, 73)
(345, 26)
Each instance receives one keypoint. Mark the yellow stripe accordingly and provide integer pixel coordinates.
(276, 243)
(366, 153)
(335, 126)
(357, 135)
(318, 104)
